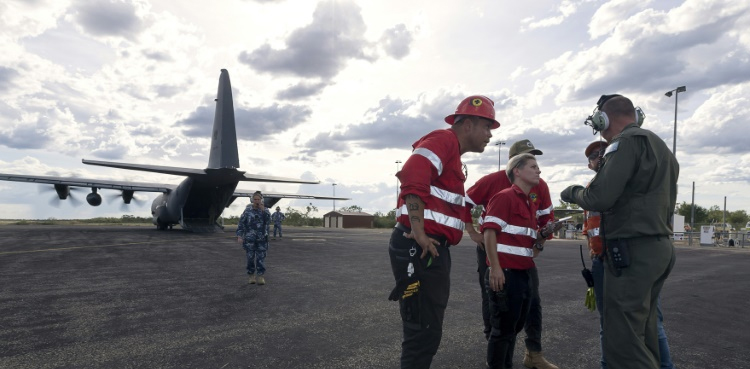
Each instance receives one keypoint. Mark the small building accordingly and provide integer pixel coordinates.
(348, 219)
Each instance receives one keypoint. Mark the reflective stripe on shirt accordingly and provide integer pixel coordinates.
(593, 232)
(511, 229)
(546, 211)
(436, 217)
(447, 196)
(432, 157)
(515, 250)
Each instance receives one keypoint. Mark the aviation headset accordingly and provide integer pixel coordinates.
(599, 121)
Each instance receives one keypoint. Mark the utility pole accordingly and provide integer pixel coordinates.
(397, 183)
(669, 94)
(499, 153)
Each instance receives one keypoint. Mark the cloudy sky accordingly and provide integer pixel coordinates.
(339, 90)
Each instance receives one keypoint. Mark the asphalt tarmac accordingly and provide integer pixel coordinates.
(134, 297)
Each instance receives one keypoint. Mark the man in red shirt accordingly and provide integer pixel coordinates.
(510, 236)
(480, 194)
(431, 213)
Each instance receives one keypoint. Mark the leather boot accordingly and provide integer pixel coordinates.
(536, 360)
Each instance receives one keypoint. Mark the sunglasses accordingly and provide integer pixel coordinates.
(594, 155)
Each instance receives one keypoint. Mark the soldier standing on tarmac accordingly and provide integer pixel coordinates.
(277, 217)
(635, 190)
(480, 194)
(252, 233)
(431, 213)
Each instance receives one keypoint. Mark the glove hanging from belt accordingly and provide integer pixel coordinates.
(590, 301)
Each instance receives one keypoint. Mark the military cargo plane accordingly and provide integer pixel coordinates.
(197, 202)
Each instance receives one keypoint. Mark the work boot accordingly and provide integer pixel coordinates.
(251, 280)
(536, 360)
(261, 280)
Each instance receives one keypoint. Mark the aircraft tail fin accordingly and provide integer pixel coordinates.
(224, 152)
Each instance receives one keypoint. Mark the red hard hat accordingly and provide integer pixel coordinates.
(477, 105)
(596, 145)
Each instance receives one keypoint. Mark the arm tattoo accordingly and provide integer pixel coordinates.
(413, 206)
(415, 219)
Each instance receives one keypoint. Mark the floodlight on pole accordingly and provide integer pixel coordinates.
(669, 94)
(499, 153)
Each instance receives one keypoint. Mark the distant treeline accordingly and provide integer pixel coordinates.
(293, 218)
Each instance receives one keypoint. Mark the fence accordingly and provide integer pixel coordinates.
(721, 239)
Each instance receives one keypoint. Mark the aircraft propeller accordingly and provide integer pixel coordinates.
(62, 192)
(127, 197)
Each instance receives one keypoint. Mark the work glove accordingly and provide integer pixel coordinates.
(590, 299)
(567, 194)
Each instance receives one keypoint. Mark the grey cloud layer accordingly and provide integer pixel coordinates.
(319, 50)
(115, 18)
(253, 124)
(392, 127)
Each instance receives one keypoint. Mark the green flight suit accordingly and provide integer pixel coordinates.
(636, 191)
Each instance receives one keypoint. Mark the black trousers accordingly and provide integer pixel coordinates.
(508, 310)
(533, 326)
(421, 314)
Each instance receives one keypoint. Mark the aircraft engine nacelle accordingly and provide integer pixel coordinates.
(62, 191)
(127, 196)
(94, 199)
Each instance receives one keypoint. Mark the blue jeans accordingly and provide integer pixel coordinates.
(256, 256)
(597, 269)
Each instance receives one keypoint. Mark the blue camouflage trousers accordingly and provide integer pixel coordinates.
(275, 227)
(256, 251)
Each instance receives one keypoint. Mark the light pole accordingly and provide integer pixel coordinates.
(397, 163)
(499, 152)
(334, 195)
(669, 94)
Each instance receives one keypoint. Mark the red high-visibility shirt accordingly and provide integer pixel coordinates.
(512, 215)
(488, 186)
(434, 173)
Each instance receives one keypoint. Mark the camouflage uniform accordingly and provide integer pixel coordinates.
(253, 228)
(277, 218)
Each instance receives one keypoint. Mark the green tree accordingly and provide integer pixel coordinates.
(738, 218)
(352, 209)
(385, 220)
(567, 206)
(701, 213)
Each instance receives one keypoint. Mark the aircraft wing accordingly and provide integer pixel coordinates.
(262, 178)
(232, 173)
(91, 183)
(288, 196)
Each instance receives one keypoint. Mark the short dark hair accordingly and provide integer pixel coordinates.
(619, 106)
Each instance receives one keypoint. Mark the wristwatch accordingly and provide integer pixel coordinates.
(539, 246)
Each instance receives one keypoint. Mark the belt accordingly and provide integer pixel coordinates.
(641, 238)
(442, 239)
(516, 270)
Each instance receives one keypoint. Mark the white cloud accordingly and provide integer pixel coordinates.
(339, 90)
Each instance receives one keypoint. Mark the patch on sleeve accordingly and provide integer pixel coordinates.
(611, 148)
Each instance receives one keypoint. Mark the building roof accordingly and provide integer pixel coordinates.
(349, 213)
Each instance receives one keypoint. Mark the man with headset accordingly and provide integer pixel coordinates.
(635, 190)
